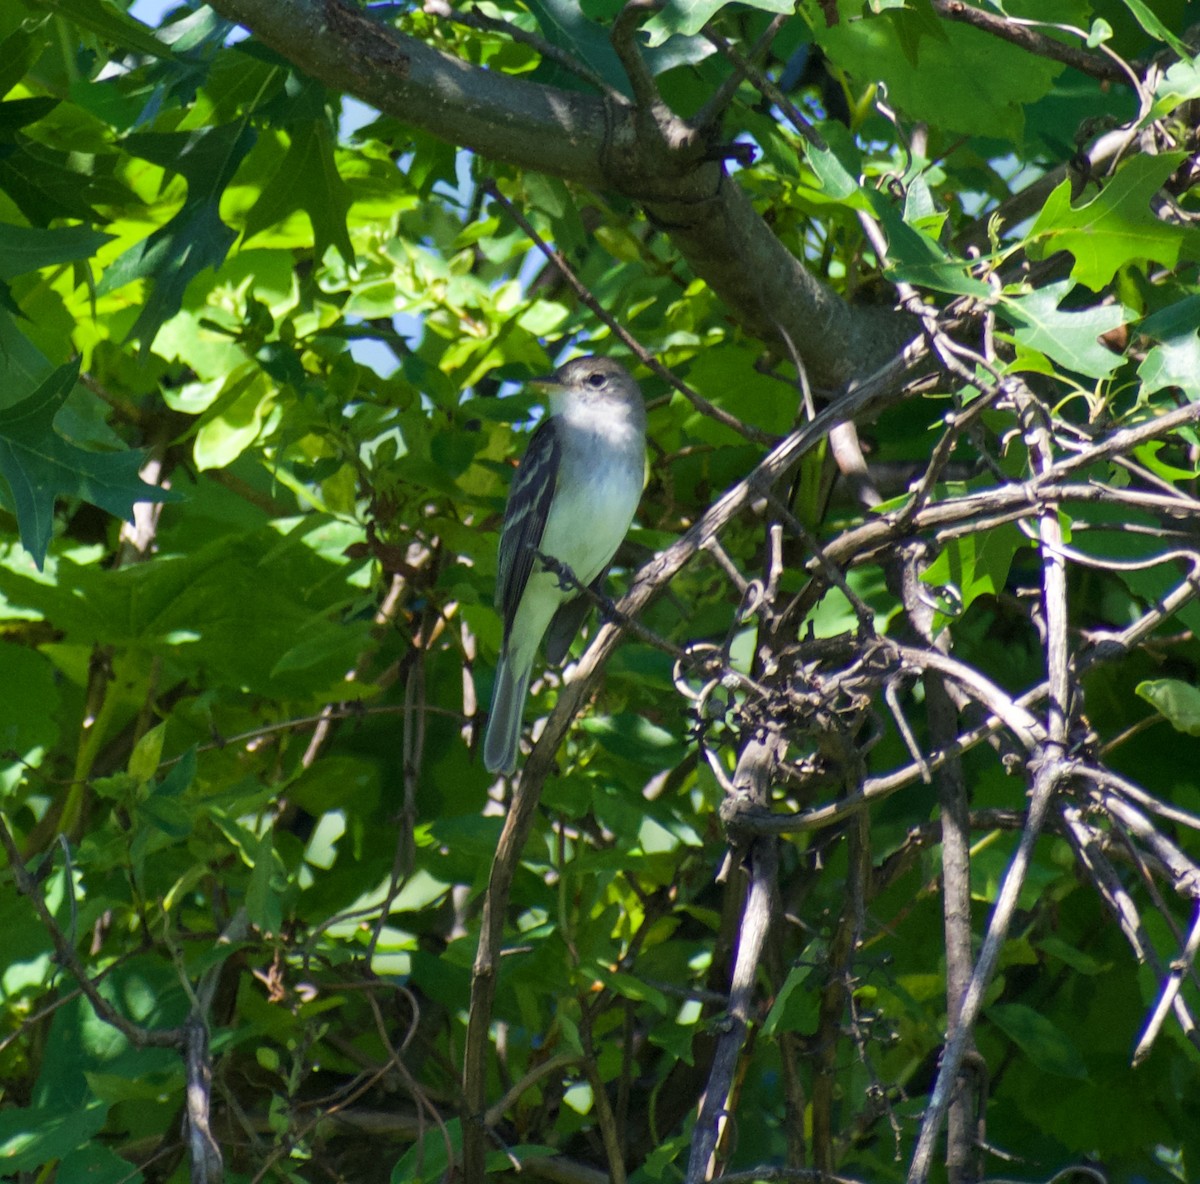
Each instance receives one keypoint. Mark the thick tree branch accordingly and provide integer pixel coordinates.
(651, 157)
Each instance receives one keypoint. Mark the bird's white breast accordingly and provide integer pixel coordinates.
(598, 493)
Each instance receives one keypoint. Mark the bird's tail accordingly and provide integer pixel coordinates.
(504, 723)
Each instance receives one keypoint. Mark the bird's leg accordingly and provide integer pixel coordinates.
(568, 581)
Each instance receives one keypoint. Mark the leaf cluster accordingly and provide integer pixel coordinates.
(261, 361)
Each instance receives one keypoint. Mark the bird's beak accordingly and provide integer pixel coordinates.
(545, 382)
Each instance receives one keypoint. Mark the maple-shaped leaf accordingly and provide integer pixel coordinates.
(40, 465)
(1070, 337)
(307, 179)
(1174, 362)
(195, 238)
(1116, 226)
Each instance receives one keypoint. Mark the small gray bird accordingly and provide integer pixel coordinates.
(573, 498)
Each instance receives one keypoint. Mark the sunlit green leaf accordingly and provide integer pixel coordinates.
(970, 81)
(1146, 17)
(1178, 701)
(690, 16)
(307, 179)
(196, 237)
(1070, 337)
(1116, 226)
(1173, 363)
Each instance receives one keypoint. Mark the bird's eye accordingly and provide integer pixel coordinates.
(595, 379)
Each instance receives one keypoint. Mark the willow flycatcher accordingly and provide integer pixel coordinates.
(573, 498)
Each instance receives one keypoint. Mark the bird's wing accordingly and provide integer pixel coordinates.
(525, 517)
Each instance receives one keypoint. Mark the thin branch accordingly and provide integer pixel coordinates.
(835, 994)
(1017, 719)
(1180, 969)
(714, 107)
(769, 90)
(206, 1162)
(1086, 842)
(942, 714)
(752, 782)
(624, 32)
(605, 1118)
(584, 293)
(65, 953)
(474, 19)
(1094, 65)
(1052, 768)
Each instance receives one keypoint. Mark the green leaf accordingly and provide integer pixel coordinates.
(181, 776)
(1046, 1045)
(690, 16)
(40, 465)
(32, 1137)
(323, 641)
(565, 23)
(96, 1164)
(1176, 320)
(976, 564)
(1151, 454)
(426, 1160)
(628, 986)
(970, 82)
(1071, 338)
(307, 179)
(912, 22)
(1173, 363)
(1178, 701)
(915, 258)
(839, 165)
(195, 238)
(143, 762)
(29, 723)
(635, 738)
(43, 182)
(24, 249)
(263, 905)
(1180, 84)
(235, 420)
(1144, 15)
(1116, 227)
(109, 22)
(166, 815)
(795, 1006)
(1071, 956)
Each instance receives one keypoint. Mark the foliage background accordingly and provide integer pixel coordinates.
(240, 799)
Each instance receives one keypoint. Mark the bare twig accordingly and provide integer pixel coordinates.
(1051, 768)
(1020, 34)
(752, 782)
(621, 333)
(27, 886)
(769, 90)
(624, 30)
(1169, 993)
